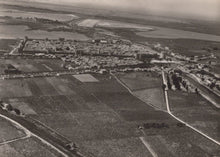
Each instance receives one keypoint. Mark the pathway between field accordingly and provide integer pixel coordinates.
(188, 125)
(143, 140)
(29, 134)
(14, 140)
(168, 108)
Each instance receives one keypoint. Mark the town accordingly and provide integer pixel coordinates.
(115, 55)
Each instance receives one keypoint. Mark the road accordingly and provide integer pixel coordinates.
(169, 111)
(120, 82)
(205, 92)
(34, 130)
(188, 125)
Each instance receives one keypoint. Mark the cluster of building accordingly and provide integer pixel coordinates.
(193, 66)
(203, 74)
(175, 81)
(106, 47)
(98, 62)
(96, 54)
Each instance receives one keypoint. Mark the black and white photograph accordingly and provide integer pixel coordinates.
(109, 78)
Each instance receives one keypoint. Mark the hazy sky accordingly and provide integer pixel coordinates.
(188, 8)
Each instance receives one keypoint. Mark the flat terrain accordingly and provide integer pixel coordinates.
(14, 142)
(30, 65)
(29, 147)
(197, 111)
(9, 132)
(8, 44)
(103, 117)
(146, 86)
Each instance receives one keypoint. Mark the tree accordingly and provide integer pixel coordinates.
(197, 91)
(164, 86)
(17, 111)
(9, 107)
(212, 85)
(168, 83)
(176, 81)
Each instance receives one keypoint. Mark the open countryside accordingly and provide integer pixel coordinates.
(109, 79)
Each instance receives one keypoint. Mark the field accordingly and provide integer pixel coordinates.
(14, 142)
(29, 147)
(129, 147)
(86, 78)
(103, 117)
(197, 111)
(30, 65)
(9, 132)
(7, 44)
(146, 86)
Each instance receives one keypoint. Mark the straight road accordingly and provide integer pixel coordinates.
(205, 91)
(188, 125)
(32, 130)
(169, 111)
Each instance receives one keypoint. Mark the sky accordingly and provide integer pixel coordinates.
(204, 9)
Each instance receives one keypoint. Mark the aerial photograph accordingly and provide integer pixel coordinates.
(109, 78)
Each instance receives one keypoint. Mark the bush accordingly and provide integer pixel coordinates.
(155, 125)
(9, 107)
(17, 111)
(180, 125)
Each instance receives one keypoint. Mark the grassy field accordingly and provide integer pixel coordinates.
(14, 88)
(129, 147)
(140, 80)
(197, 111)
(146, 86)
(30, 65)
(103, 118)
(8, 131)
(13, 142)
(7, 44)
(30, 147)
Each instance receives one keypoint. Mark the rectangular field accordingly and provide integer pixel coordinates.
(103, 118)
(197, 111)
(30, 65)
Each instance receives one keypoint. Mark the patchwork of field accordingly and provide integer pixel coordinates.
(86, 78)
(30, 65)
(8, 131)
(14, 142)
(130, 147)
(8, 44)
(183, 143)
(34, 87)
(103, 118)
(29, 147)
(140, 80)
(14, 88)
(145, 86)
(197, 111)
